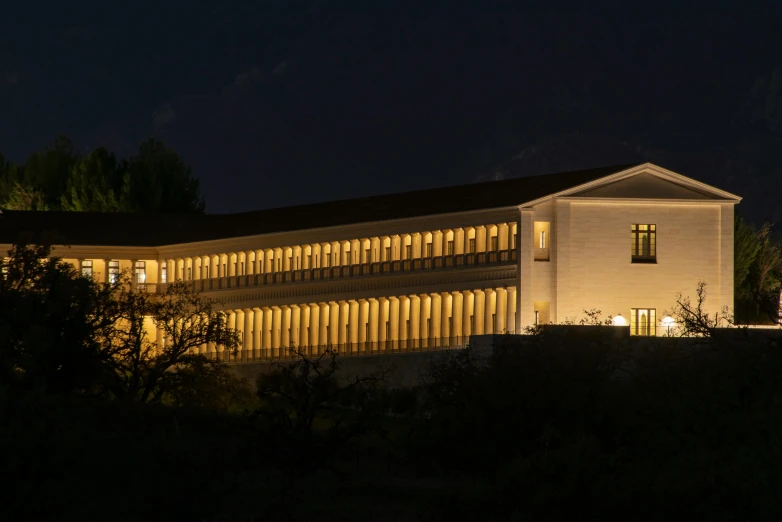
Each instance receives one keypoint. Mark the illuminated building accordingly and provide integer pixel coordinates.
(427, 269)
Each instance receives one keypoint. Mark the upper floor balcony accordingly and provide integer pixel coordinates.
(491, 258)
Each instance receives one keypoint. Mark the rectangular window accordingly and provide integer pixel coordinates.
(206, 272)
(387, 254)
(86, 268)
(308, 261)
(140, 272)
(542, 240)
(367, 256)
(471, 246)
(408, 251)
(494, 243)
(428, 250)
(164, 272)
(449, 247)
(643, 321)
(643, 243)
(113, 272)
(189, 273)
(513, 245)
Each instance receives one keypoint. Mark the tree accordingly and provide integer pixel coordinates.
(692, 319)
(745, 251)
(49, 318)
(766, 275)
(93, 184)
(157, 179)
(47, 172)
(58, 178)
(144, 370)
(26, 197)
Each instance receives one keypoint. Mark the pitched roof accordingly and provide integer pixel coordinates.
(156, 229)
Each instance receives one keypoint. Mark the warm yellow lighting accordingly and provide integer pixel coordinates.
(620, 321)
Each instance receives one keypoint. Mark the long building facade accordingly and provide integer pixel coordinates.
(427, 269)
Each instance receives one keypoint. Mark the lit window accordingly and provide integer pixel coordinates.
(471, 246)
(642, 321)
(428, 250)
(450, 248)
(113, 272)
(494, 243)
(164, 272)
(367, 256)
(408, 251)
(643, 243)
(388, 254)
(86, 268)
(141, 271)
(542, 240)
(190, 273)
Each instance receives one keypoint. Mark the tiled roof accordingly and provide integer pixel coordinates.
(149, 229)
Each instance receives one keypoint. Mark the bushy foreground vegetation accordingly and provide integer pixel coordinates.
(98, 422)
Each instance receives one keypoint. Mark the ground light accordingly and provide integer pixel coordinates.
(667, 322)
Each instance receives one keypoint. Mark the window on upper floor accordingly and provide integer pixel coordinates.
(387, 251)
(429, 250)
(494, 243)
(408, 251)
(643, 243)
(113, 271)
(164, 272)
(367, 255)
(449, 247)
(643, 321)
(140, 272)
(190, 273)
(86, 268)
(471, 246)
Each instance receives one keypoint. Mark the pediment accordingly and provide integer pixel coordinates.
(646, 186)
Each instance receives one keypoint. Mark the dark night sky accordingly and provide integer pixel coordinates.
(292, 102)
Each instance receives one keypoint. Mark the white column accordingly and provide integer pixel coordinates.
(457, 312)
(268, 324)
(501, 310)
(285, 330)
(257, 332)
(375, 315)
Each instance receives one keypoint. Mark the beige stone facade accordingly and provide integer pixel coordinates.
(430, 281)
